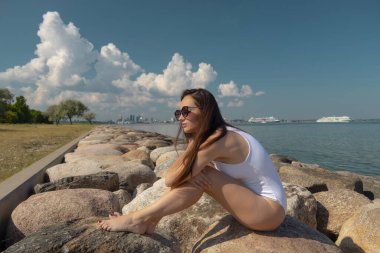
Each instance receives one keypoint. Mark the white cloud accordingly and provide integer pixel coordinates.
(259, 93)
(178, 76)
(66, 65)
(232, 90)
(235, 103)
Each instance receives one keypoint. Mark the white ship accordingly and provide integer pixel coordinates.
(334, 119)
(270, 119)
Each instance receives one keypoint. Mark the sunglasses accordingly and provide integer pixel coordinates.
(184, 111)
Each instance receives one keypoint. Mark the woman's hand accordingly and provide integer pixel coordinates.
(201, 181)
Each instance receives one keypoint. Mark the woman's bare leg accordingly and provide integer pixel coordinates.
(250, 209)
(147, 218)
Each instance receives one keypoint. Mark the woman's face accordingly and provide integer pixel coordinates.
(191, 123)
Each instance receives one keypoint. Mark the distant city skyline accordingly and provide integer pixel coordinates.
(287, 59)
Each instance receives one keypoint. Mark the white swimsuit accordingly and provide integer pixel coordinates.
(257, 171)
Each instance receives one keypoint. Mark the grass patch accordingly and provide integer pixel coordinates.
(23, 144)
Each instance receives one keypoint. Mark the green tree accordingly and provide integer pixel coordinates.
(55, 113)
(89, 116)
(38, 117)
(22, 110)
(6, 98)
(10, 117)
(72, 108)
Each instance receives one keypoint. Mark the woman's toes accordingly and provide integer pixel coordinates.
(114, 215)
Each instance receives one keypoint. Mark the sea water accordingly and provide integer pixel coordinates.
(336, 146)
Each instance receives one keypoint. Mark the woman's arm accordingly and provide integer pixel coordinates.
(204, 158)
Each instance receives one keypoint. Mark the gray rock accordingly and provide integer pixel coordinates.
(301, 204)
(123, 196)
(132, 174)
(186, 226)
(207, 227)
(140, 188)
(154, 143)
(49, 208)
(103, 180)
(76, 236)
(161, 169)
(100, 149)
(77, 168)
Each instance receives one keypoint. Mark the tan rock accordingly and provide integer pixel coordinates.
(317, 179)
(371, 184)
(227, 235)
(335, 207)
(361, 232)
(136, 154)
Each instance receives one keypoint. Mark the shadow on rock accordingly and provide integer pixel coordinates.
(349, 246)
(228, 235)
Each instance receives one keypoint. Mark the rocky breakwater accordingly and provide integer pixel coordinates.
(119, 169)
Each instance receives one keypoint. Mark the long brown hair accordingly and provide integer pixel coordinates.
(211, 120)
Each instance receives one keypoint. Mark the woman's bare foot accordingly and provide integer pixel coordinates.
(129, 223)
(114, 215)
(151, 227)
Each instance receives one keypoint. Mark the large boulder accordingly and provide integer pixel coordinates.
(301, 204)
(335, 207)
(361, 232)
(140, 188)
(186, 226)
(154, 143)
(205, 226)
(76, 236)
(162, 169)
(49, 208)
(131, 174)
(156, 153)
(317, 179)
(227, 235)
(77, 168)
(100, 149)
(281, 160)
(139, 156)
(169, 156)
(371, 184)
(103, 160)
(103, 180)
(123, 196)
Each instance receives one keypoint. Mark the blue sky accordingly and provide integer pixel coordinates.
(290, 59)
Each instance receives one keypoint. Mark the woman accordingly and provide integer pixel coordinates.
(219, 160)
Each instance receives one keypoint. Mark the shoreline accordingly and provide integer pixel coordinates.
(107, 148)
